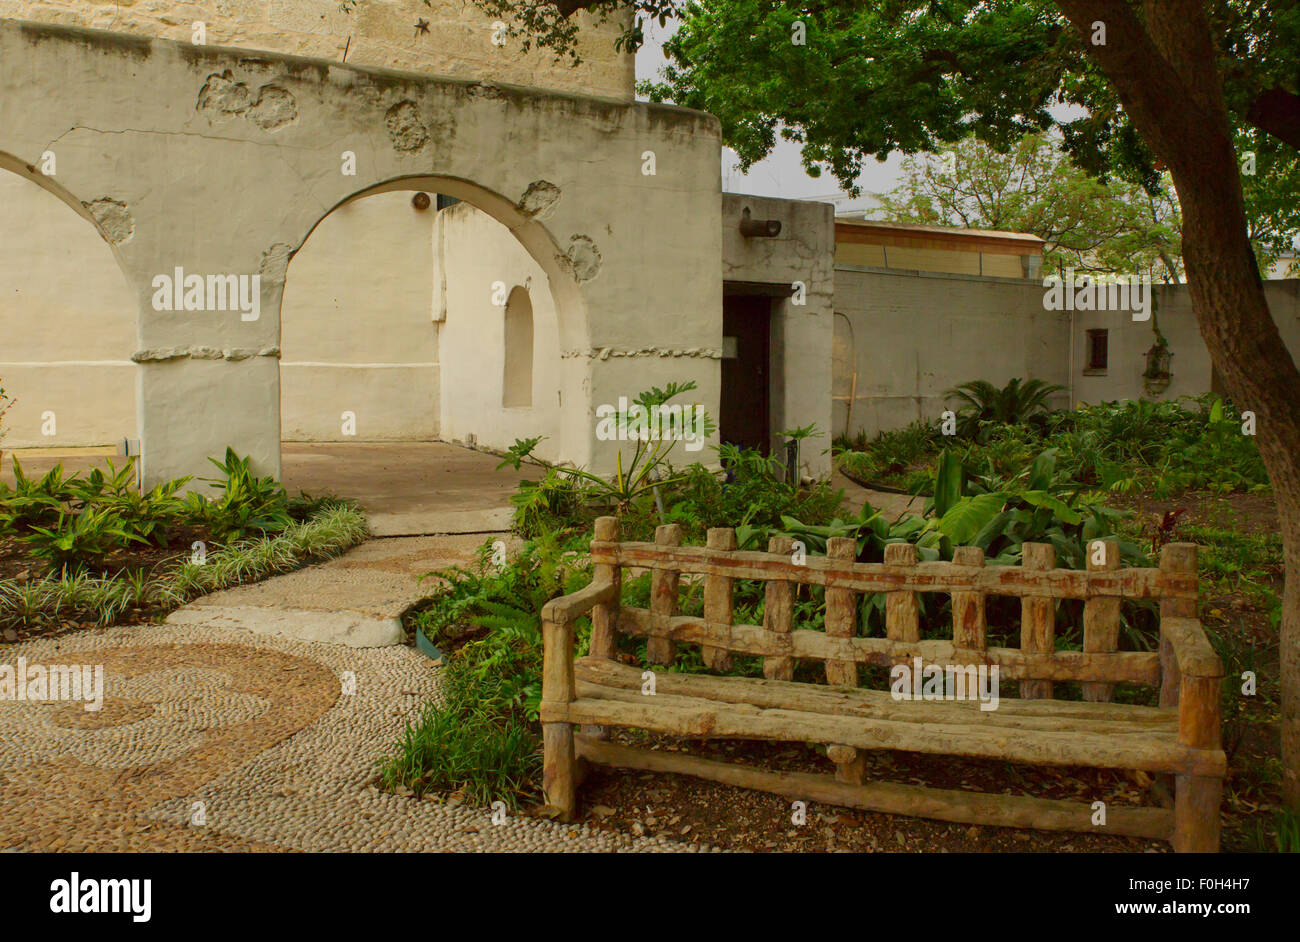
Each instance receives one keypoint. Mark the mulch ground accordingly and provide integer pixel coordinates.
(16, 561)
(696, 811)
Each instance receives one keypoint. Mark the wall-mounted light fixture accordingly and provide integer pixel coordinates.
(758, 228)
(421, 201)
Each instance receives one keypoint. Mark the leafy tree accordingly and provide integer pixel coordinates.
(1162, 85)
(1033, 187)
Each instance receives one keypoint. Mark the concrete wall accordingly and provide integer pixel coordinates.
(910, 258)
(483, 265)
(913, 335)
(1130, 340)
(917, 334)
(378, 33)
(801, 333)
(357, 332)
(67, 325)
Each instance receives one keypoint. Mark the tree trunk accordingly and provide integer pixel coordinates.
(1165, 73)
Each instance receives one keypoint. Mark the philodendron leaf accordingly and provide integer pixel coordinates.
(1040, 472)
(947, 482)
(969, 516)
(1059, 508)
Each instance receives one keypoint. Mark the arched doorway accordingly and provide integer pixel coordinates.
(410, 315)
(67, 318)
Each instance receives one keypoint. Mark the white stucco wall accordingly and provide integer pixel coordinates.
(483, 262)
(458, 40)
(917, 334)
(623, 247)
(356, 330)
(67, 325)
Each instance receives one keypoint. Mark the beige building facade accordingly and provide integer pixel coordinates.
(200, 167)
(463, 260)
(444, 37)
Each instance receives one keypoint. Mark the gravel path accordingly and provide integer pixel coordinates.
(217, 739)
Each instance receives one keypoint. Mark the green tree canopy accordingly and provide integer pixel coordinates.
(1033, 187)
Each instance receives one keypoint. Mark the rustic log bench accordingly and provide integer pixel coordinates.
(1180, 737)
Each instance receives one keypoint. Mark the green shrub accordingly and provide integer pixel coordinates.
(78, 595)
(981, 404)
(459, 744)
(1159, 448)
(148, 516)
(78, 538)
(35, 502)
(482, 734)
(248, 505)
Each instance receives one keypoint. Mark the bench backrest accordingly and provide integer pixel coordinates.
(1035, 663)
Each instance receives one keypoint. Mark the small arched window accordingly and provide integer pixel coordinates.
(517, 380)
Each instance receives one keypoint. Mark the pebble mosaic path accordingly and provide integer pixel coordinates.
(213, 739)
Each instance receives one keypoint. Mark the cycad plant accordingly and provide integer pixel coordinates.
(1019, 401)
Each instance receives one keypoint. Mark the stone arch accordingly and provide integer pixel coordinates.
(114, 227)
(67, 315)
(226, 159)
(532, 234)
(557, 267)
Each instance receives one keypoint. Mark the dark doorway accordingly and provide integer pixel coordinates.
(746, 348)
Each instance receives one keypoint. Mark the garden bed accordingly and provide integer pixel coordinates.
(84, 552)
(1181, 474)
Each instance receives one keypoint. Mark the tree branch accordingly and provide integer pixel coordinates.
(1277, 112)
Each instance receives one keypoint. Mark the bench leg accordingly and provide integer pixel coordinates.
(850, 764)
(559, 769)
(1196, 813)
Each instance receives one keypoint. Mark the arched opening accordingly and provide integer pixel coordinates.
(517, 345)
(67, 318)
(418, 317)
(358, 345)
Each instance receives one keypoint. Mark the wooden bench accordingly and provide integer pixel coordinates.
(1178, 737)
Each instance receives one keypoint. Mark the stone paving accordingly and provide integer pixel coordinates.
(234, 727)
(213, 739)
(356, 599)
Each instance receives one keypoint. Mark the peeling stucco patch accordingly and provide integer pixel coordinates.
(114, 218)
(223, 97)
(584, 258)
(539, 199)
(275, 263)
(405, 127)
(273, 109)
(605, 353)
(233, 354)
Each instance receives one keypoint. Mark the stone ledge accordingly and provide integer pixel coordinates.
(353, 629)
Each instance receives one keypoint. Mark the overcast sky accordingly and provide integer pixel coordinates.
(781, 173)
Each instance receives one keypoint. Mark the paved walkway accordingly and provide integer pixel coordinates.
(218, 739)
(357, 599)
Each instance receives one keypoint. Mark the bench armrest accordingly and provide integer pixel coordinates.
(562, 611)
(1192, 651)
(558, 616)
